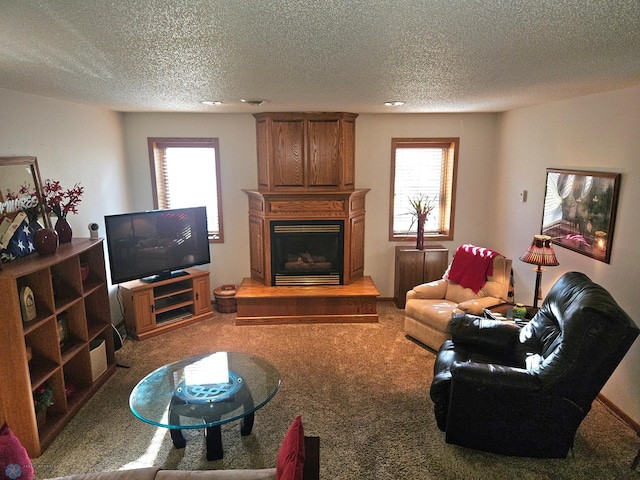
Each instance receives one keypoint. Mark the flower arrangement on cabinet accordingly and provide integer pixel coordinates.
(60, 201)
(421, 208)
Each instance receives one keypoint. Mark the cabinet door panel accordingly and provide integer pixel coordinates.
(143, 302)
(202, 298)
(435, 264)
(323, 153)
(288, 153)
(256, 247)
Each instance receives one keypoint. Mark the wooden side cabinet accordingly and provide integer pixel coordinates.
(414, 267)
(67, 347)
(154, 308)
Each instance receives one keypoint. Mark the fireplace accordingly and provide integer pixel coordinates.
(306, 224)
(306, 175)
(307, 252)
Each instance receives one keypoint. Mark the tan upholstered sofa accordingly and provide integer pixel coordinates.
(430, 306)
(310, 470)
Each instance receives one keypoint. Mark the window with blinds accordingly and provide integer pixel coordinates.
(423, 167)
(185, 172)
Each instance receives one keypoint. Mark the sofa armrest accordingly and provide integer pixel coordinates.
(475, 306)
(432, 290)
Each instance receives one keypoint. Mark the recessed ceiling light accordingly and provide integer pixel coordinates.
(255, 103)
(394, 103)
(211, 102)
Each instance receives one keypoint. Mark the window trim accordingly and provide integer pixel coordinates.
(447, 208)
(155, 144)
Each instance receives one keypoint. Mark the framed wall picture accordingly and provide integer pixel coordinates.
(580, 210)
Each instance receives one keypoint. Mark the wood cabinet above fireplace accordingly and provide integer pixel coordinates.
(306, 151)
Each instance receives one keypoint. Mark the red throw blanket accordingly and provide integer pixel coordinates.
(471, 266)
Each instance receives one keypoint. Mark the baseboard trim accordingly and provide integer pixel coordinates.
(623, 416)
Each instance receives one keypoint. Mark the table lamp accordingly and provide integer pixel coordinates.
(540, 253)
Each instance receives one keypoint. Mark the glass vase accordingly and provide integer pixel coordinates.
(422, 218)
(64, 230)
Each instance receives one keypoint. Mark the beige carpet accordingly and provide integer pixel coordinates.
(362, 388)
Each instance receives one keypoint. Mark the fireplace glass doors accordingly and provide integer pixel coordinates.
(307, 252)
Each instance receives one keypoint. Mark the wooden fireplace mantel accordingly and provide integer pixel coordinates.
(265, 207)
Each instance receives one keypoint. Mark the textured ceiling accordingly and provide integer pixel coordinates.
(306, 55)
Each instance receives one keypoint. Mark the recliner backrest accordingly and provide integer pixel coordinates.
(582, 335)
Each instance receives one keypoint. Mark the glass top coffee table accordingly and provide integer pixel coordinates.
(205, 391)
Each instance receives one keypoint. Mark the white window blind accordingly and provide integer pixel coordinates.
(186, 175)
(422, 167)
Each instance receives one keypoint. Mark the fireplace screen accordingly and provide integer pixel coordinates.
(307, 252)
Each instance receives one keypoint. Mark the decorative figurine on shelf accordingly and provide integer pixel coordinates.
(62, 202)
(421, 208)
(27, 304)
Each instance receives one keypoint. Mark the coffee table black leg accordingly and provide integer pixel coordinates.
(214, 443)
(178, 438)
(246, 425)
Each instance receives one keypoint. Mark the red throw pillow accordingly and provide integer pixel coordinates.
(290, 464)
(15, 463)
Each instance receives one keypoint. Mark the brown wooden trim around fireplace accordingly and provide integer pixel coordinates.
(265, 207)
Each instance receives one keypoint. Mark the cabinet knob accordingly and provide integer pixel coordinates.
(197, 296)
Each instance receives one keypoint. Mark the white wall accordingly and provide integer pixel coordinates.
(238, 170)
(476, 169)
(74, 144)
(230, 260)
(598, 132)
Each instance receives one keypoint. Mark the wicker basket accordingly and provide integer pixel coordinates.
(225, 299)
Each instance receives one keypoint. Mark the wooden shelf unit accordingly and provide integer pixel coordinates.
(154, 308)
(60, 295)
(414, 267)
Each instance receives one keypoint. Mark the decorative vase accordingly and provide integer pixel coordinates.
(422, 218)
(64, 230)
(46, 241)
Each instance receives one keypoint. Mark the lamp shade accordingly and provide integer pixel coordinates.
(540, 252)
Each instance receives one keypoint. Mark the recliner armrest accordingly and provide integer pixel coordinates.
(490, 335)
(489, 376)
(431, 290)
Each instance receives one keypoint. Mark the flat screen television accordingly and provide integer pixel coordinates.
(156, 244)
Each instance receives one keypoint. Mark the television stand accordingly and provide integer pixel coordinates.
(166, 304)
(164, 276)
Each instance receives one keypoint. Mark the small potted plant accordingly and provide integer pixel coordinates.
(421, 208)
(42, 400)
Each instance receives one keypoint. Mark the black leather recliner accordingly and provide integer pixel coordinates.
(524, 391)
